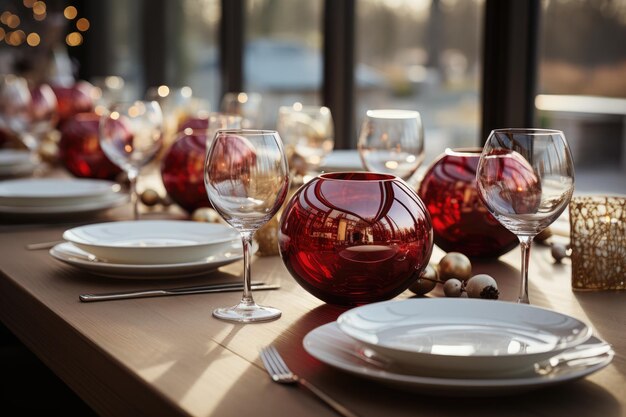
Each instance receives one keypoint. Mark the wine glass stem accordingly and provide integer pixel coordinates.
(525, 243)
(134, 198)
(246, 239)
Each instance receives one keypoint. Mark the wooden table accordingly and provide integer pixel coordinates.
(169, 357)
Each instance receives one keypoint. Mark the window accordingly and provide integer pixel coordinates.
(425, 56)
(582, 86)
(282, 55)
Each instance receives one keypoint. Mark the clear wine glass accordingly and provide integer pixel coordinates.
(247, 179)
(308, 135)
(131, 134)
(246, 105)
(392, 142)
(15, 109)
(525, 177)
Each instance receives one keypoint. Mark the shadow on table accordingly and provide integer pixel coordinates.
(365, 397)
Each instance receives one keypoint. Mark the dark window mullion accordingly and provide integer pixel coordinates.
(339, 68)
(154, 40)
(509, 64)
(232, 38)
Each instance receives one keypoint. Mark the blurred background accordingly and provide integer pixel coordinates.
(354, 55)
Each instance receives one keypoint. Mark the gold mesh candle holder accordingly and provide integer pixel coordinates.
(598, 242)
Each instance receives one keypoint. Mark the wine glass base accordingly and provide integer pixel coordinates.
(242, 313)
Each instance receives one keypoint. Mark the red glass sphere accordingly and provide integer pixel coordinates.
(182, 170)
(73, 100)
(194, 123)
(79, 148)
(461, 222)
(355, 238)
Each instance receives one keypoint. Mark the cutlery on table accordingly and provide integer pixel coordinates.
(280, 373)
(43, 245)
(584, 355)
(161, 292)
(579, 356)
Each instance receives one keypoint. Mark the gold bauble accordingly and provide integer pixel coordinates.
(150, 197)
(455, 265)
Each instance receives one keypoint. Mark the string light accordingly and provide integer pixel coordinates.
(70, 12)
(82, 24)
(4, 17)
(13, 21)
(74, 39)
(39, 17)
(33, 39)
(39, 8)
(2, 33)
(29, 3)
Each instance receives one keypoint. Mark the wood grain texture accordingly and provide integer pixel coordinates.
(168, 356)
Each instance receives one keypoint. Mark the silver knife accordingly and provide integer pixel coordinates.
(200, 289)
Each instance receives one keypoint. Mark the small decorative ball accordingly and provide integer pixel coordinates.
(482, 286)
(558, 251)
(150, 197)
(206, 215)
(422, 286)
(166, 201)
(455, 265)
(453, 288)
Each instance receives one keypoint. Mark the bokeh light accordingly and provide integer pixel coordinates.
(74, 39)
(82, 24)
(33, 39)
(70, 12)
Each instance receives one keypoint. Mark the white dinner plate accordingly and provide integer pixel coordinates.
(55, 192)
(332, 347)
(14, 157)
(463, 337)
(152, 241)
(47, 212)
(71, 255)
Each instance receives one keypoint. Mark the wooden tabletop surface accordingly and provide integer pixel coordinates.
(168, 356)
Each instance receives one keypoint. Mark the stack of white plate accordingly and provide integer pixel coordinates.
(16, 163)
(149, 249)
(458, 346)
(55, 196)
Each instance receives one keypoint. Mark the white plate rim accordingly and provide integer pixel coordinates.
(73, 235)
(583, 335)
(66, 252)
(96, 188)
(114, 200)
(490, 386)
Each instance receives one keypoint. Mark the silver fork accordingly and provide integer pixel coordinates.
(280, 372)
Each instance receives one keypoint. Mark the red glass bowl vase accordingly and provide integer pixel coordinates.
(355, 238)
(79, 148)
(461, 222)
(182, 170)
(73, 100)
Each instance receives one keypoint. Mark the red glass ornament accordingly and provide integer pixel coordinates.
(182, 170)
(195, 123)
(461, 222)
(79, 148)
(355, 238)
(44, 105)
(73, 100)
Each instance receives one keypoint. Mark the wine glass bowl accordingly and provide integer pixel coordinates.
(246, 179)
(16, 109)
(525, 177)
(392, 142)
(308, 134)
(131, 135)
